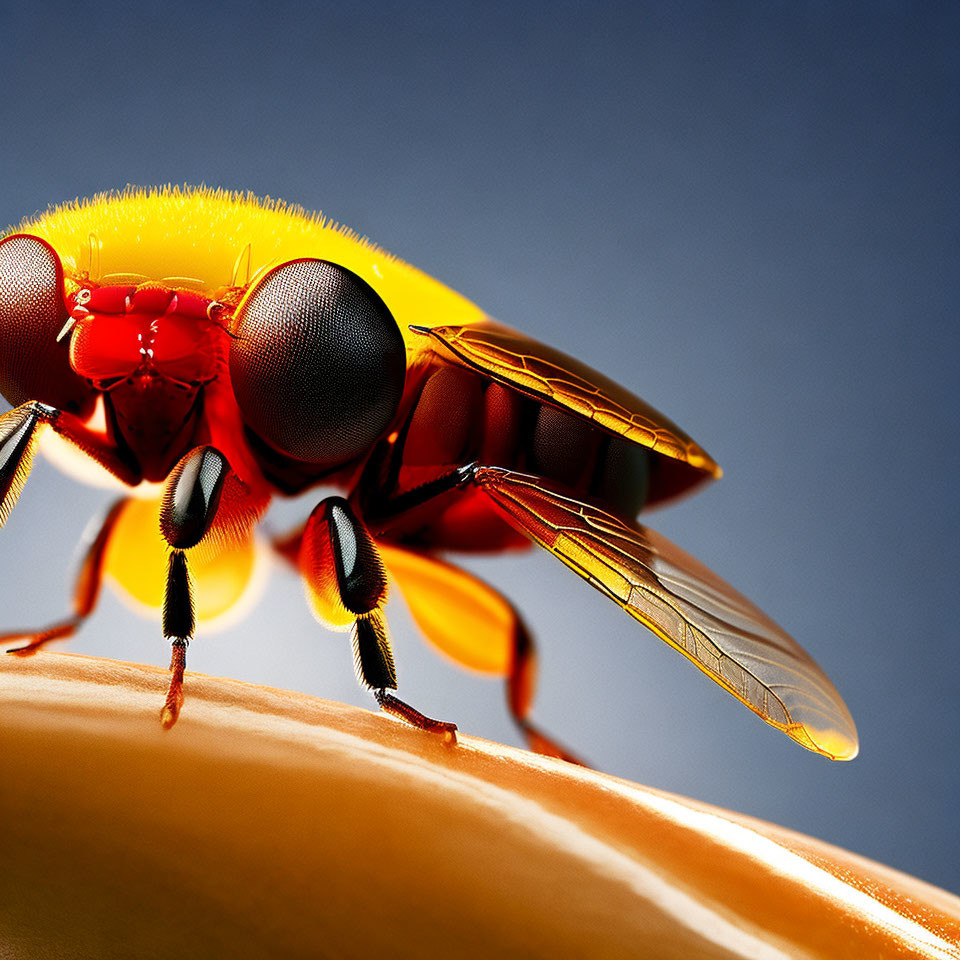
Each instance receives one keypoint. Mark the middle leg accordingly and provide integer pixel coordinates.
(347, 588)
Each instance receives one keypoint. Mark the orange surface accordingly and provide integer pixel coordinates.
(272, 824)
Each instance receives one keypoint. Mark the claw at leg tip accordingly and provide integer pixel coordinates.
(27, 651)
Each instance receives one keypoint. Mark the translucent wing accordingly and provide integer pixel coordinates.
(563, 381)
(686, 605)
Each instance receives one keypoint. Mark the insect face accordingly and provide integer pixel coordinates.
(149, 349)
(150, 331)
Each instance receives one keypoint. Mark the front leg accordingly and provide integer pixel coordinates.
(207, 506)
(179, 623)
(20, 432)
(347, 588)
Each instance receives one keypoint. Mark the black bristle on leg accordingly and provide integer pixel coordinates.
(179, 618)
(371, 649)
(179, 621)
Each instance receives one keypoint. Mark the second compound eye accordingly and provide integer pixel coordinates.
(317, 362)
(33, 311)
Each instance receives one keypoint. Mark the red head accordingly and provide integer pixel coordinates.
(149, 349)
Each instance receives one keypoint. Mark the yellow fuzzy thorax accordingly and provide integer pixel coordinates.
(211, 239)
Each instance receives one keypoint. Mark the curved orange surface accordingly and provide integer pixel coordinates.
(272, 824)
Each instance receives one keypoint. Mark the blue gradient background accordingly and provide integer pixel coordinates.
(746, 213)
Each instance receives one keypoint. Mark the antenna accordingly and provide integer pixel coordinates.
(242, 268)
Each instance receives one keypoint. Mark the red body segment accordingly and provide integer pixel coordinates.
(455, 416)
(149, 350)
(120, 330)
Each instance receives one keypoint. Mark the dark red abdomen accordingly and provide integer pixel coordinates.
(456, 417)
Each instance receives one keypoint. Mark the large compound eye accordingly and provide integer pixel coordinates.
(33, 366)
(317, 362)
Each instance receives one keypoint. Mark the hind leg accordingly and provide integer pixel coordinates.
(521, 685)
(475, 626)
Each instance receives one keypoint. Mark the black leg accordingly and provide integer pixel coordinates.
(20, 431)
(179, 623)
(203, 502)
(347, 586)
(381, 511)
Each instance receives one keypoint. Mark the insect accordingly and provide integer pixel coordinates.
(229, 349)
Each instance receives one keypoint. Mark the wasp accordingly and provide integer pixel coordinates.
(220, 350)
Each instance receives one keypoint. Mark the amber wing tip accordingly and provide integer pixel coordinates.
(830, 744)
(699, 458)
